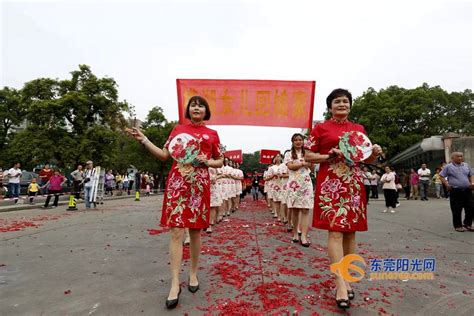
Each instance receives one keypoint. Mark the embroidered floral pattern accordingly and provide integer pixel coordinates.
(187, 196)
(340, 201)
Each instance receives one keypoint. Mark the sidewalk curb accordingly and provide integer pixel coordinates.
(61, 203)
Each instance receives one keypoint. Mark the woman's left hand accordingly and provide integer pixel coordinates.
(376, 150)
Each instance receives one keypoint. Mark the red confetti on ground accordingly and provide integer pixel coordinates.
(67, 292)
(22, 224)
(247, 275)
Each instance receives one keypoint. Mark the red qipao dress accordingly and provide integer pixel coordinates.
(339, 201)
(187, 197)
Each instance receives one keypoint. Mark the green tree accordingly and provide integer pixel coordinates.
(12, 112)
(397, 118)
(69, 121)
(251, 163)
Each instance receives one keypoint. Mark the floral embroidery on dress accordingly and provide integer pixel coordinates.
(335, 198)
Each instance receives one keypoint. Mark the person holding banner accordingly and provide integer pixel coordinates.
(194, 148)
(300, 188)
(340, 206)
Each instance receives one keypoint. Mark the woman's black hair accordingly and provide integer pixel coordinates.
(293, 150)
(199, 100)
(336, 93)
(273, 159)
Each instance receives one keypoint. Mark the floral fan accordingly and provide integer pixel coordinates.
(184, 148)
(355, 146)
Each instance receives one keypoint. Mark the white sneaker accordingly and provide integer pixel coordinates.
(392, 211)
(397, 205)
(384, 211)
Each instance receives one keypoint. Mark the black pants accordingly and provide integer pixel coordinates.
(56, 197)
(459, 199)
(367, 191)
(407, 192)
(375, 192)
(76, 187)
(31, 196)
(390, 197)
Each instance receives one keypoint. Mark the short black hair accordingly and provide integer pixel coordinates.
(336, 93)
(199, 100)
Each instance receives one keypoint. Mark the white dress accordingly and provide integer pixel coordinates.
(216, 196)
(300, 188)
(277, 190)
(284, 183)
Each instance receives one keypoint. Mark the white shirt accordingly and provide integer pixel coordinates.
(424, 174)
(388, 177)
(14, 175)
(367, 175)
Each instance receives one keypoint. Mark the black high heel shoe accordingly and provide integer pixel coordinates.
(170, 304)
(193, 288)
(343, 303)
(306, 244)
(350, 294)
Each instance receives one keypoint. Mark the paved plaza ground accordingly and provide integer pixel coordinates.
(114, 261)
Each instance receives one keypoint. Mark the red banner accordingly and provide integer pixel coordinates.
(252, 102)
(266, 155)
(234, 155)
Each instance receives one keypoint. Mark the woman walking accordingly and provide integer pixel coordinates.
(340, 205)
(300, 196)
(187, 197)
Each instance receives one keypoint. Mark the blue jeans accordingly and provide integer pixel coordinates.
(14, 190)
(87, 194)
(254, 191)
(424, 185)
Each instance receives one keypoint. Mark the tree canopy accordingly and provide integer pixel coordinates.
(66, 122)
(396, 118)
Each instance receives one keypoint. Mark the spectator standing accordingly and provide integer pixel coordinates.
(109, 183)
(445, 188)
(138, 180)
(45, 174)
(55, 184)
(460, 183)
(389, 190)
(119, 182)
(126, 182)
(88, 175)
(374, 182)
(414, 182)
(438, 183)
(405, 181)
(33, 189)
(14, 175)
(255, 186)
(77, 181)
(425, 176)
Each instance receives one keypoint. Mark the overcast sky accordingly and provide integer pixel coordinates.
(145, 46)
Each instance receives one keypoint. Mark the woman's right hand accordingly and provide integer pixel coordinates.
(136, 133)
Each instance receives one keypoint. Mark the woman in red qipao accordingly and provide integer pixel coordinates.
(187, 196)
(340, 206)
